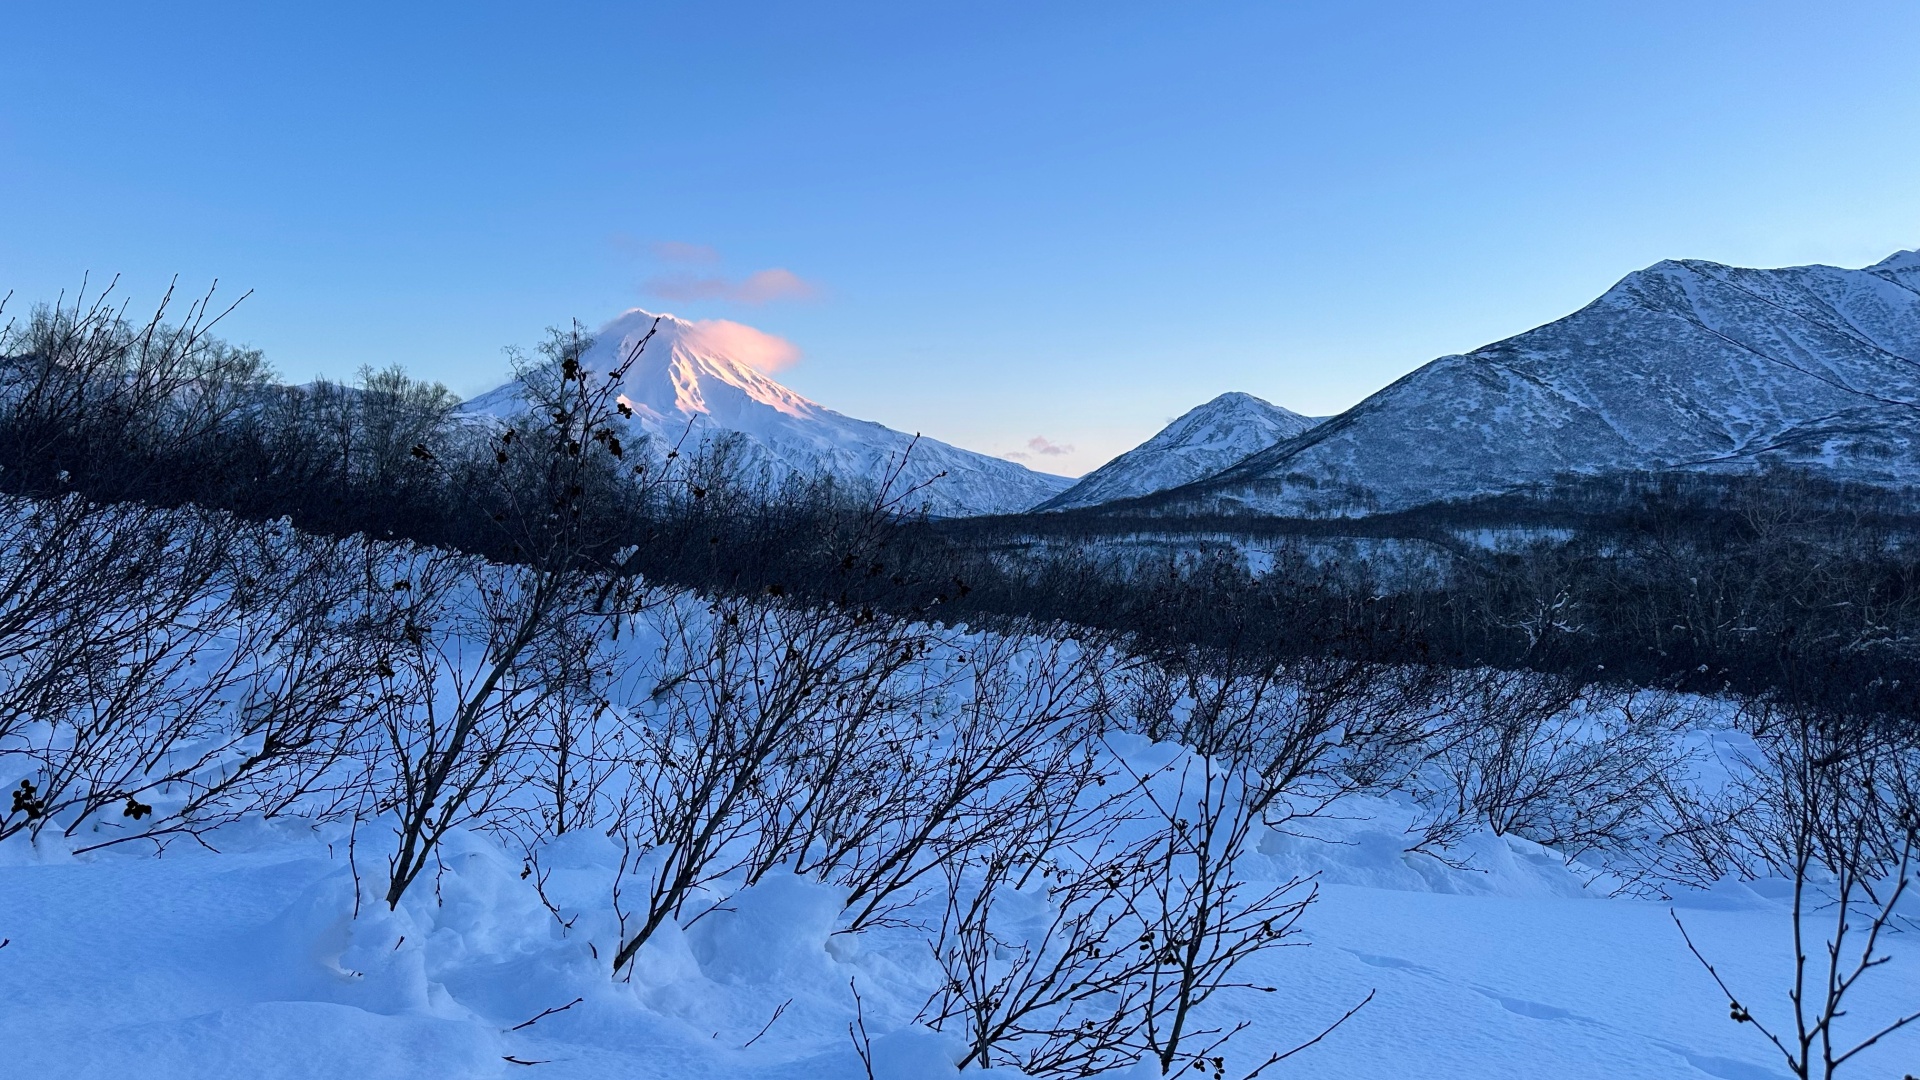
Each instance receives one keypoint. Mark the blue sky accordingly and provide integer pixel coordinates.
(992, 223)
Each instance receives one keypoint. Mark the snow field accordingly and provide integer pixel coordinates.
(267, 950)
(250, 962)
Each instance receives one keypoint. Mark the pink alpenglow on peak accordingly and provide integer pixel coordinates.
(757, 349)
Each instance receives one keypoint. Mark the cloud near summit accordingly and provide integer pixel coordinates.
(759, 287)
(681, 252)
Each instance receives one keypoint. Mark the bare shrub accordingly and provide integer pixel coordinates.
(106, 613)
(1309, 728)
(1104, 948)
(180, 667)
(719, 775)
(1046, 978)
(1843, 823)
(456, 737)
(1579, 768)
(1002, 771)
(302, 684)
(1201, 917)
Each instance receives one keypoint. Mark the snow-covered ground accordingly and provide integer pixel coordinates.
(250, 962)
(268, 949)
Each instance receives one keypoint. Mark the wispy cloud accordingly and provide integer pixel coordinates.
(1042, 446)
(737, 341)
(759, 287)
(677, 251)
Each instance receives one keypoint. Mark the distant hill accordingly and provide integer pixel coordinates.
(1204, 441)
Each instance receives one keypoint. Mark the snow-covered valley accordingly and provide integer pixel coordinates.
(956, 541)
(861, 840)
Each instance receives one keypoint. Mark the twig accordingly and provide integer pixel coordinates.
(1738, 1011)
(1324, 1032)
(547, 1013)
(768, 1024)
(857, 1031)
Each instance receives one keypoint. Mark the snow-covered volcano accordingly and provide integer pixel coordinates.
(1683, 365)
(693, 383)
(1203, 441)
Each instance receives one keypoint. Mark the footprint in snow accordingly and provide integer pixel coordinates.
(1387, 961)
(1729, 1069)
(1533, 1009)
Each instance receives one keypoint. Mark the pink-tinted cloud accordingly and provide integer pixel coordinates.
(1041, 445)
(759, 287)
(755, 348)
(681, 252)
(776, 284)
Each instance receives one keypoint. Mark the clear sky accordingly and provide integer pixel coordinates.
(993, 223)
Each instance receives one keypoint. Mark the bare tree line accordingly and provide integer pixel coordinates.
(1775, 584)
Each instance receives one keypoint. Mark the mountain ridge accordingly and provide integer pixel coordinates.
(1686, 364)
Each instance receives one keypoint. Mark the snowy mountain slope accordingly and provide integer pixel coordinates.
(1682, 365)
(691, 383)
(1207, 439)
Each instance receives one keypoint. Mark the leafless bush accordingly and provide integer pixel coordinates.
(720, 774)
(1201, 918)
(179, 666)
(1576, 768)
(303, 682)
(478, 688)
(1845, 827)
(1002, 771)
(1105, 948)
(107, 611)
(459, 707)
(1700, 833)
(1850, 789)
(1046, 978)
(1310, 729)
(572, 759)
